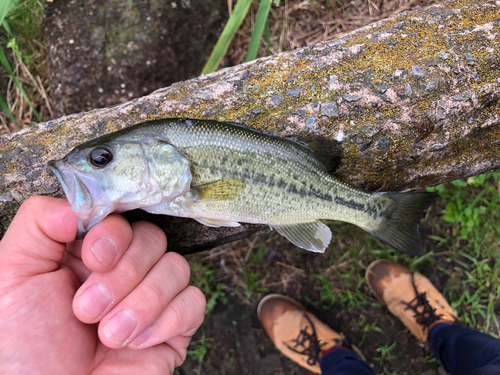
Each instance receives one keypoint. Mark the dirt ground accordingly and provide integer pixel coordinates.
(330, 285)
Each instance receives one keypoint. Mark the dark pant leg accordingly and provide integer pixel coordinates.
(465, 351)
(343, 361)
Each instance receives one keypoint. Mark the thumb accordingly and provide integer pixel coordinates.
(36, 239)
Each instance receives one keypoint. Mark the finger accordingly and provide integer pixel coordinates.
(182, 317)
(101, 249)
(102, 291)
(138, 310)
(158, 360)
(76, 266)
(106, 243)
(75, 248)
(36, 239)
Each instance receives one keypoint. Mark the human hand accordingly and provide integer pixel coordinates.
(88, 309)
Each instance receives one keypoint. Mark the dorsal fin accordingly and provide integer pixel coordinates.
(326, 150)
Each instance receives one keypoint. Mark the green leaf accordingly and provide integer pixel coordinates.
(5, 63)
(459, 183)
(450, 214)
(258, 29)
(12, 43)
(7, 28)
(233, 24)
(267, 35)
(6, 109)
(5, 7)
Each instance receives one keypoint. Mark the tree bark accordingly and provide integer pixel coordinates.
(413, 100)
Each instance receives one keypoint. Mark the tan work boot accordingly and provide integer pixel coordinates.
(411, 298)
(297, 333)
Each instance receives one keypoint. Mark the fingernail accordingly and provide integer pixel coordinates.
(120, 327)
(142, 338)
(94, 301)
(104, 250)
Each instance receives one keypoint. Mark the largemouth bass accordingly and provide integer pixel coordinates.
(221, 174)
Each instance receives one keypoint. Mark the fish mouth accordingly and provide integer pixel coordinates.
(81, 192)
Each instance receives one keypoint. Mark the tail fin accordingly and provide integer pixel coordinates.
(401, 228)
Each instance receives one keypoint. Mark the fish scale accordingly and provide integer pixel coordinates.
(222, 174)
(262, 201)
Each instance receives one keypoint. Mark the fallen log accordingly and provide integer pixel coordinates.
(413, 100)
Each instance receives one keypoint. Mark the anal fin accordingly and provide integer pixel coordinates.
(217, 223)
(314, 236)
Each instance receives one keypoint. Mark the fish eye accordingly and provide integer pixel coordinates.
(100, 157)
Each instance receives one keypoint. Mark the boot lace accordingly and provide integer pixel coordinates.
(307, 342)
(425, 314)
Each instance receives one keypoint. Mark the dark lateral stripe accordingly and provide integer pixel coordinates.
(351, 203)
(292, 188)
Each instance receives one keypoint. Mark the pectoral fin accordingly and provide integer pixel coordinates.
(221, 190)
(217, 223)
(314, 236)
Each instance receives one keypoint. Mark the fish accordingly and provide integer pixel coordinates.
(223, 174)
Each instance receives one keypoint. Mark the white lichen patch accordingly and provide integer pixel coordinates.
(493, 120)
(487, 29)
(221, 89)
(406, 115)
(356, 48)
(392, 126)
(392, 95)
(173, 106)
(366, 97)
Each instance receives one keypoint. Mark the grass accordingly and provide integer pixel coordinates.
(22, 56)
(261, 21)
(470, 231)
(203, 276)
(237, 16)
(199, 350)
(385, 353)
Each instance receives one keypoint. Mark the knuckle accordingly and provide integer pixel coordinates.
(189, 310)
(182, 269)
(152, 234)
(131, 268)
(155, 296)
(179, 314)
(32, 202)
